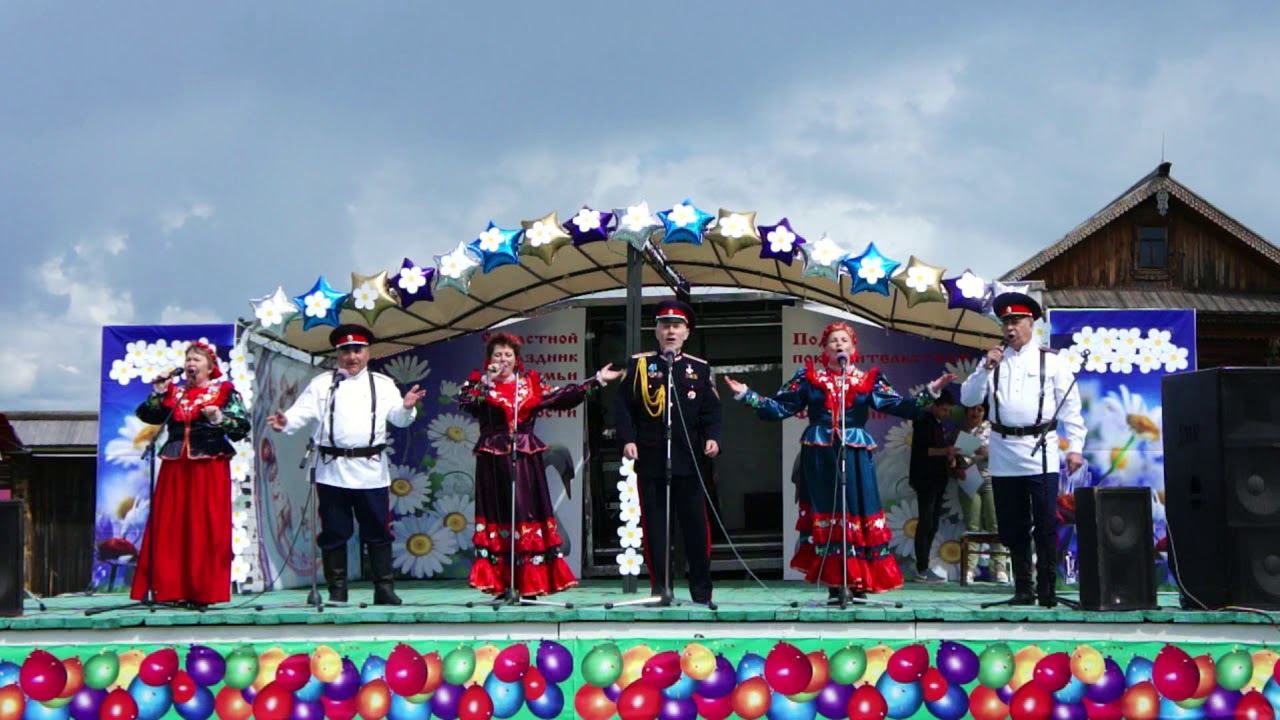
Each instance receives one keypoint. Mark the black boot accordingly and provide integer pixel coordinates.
(384, 577)
(1023, 593)
(335, 573)
(1046, 575)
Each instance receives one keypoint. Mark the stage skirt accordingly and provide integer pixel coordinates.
(540, 565)
(190, 524)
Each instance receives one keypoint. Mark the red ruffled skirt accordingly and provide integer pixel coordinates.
(190, 526)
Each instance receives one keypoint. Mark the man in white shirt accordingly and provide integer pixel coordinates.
(352, 476)
(1024, 384)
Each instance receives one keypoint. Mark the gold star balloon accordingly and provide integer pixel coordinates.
(544, 237)
(919, 282)
(733, 231)
(370, 295)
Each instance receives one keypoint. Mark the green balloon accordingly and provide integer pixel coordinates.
(803, 697)
(995, 666)
(602, 665)
(242, 670)
(1235, 669)
(101, 670)
(459, 665)
(848, 665)
(1192, 703)
(56, 703)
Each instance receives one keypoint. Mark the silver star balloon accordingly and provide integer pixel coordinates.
(822, 258)
(455, 268)
(636, 225)
(274, 309)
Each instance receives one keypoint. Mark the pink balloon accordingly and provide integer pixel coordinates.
(662, 670)
(907, 665)
(1175, 674)
(42, 676)
(1053, 672)
(512, 663)
(406, 671)
(787, 670)
(160, 667)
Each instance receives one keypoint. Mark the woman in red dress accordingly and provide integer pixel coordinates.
(507, 401)
(188, 538)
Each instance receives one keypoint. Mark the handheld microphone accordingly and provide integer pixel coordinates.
(167, 377)
(1004, 343)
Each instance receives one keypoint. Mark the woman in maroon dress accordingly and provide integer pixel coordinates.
(190, 521)
(507, 401)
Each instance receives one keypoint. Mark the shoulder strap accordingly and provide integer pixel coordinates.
(1040, 403)
(995, 394)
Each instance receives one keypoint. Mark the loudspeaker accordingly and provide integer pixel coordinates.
(1116, 549)
(12, 533)
(1222, 485)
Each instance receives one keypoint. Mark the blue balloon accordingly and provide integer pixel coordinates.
(374, 668)
(1071, 693)
(681, 689)
(37, 711)
(870, 271)
(549, 705)
(1070, 711)
(507, 698)
(1170, 709)
(311, 692)
(153, 701)
(951, 706)
(199, 707)
(902, 699)
(9, 673)
(782, 707)
(1271, 691)
(685, 223)
(321, 305)
(751, 665)
(402, 709)
(497, 247)
(1139, 670)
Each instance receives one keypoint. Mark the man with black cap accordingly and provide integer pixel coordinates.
(641, 420)
(1024, 383)
(352, 477)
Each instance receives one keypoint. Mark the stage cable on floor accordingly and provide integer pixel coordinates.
(1177, 579)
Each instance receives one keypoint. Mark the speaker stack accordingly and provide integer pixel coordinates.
(12, 533)
(1222, 485)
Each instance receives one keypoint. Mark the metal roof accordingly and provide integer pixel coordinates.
(42, 429)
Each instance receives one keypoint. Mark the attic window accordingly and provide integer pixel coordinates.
(1153, 244)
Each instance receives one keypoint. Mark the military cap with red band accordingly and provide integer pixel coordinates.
(1015, 304)
(350, 335)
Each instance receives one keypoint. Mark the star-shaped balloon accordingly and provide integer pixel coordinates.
(733, 231)
(589, 226)
(413, 283)
(636, 225)
(822, 258)
(370, 295)
(967, 291)
(321, 305)
(684, 223)
(919, 282)
(543, 237)
(870, 271)
(779, 242)
(455, 268)
(274, 309)
(497, 247)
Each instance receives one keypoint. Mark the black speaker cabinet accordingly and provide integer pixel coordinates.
(12, 533)
(1222, 485)
(1116, 549)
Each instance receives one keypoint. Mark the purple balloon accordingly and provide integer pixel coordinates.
(1005, 694)
(554, 662)
(613, 692)
(249, 694)
(833, 700)
(307, 711)
(444, 701)
(1109, 687)
(85, 703)
(957, 663)
(1069, 711)
(720, 682)
(346, 685)
(1221, 704)
(673, 709)
(205, 665)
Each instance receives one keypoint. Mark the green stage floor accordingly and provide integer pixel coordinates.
(739, 601)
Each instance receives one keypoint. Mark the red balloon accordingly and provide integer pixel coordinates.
(294, 672)
(1031, 702)
(183, 687)
(1140, 702)
(591, 703)
(1175, 674)
(751, 699)
(12, 702)
(534, 684)
(159, 668)
(406, 671)
(866, 703)
(787, 670)
(1208, 676)
(662, 670)
(985, 704)
(43, 676)
(714, 708)
(339, 709)
(119, 705)
(1255, 706)
(373, 701)
(1103, 711)
(229, 705)
(435, 671)
(639, 701)
(475, 704)
(1053, 672)
(907, 664)
(934, 685)
(512, 663)
(75, 677)
(274, 702)
(821, 671)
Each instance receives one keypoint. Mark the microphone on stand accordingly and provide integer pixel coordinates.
(337, 378)
(669, 354)
(843, 359)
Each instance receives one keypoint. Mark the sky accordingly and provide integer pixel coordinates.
(163, 163)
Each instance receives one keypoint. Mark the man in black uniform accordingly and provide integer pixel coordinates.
(695, 434)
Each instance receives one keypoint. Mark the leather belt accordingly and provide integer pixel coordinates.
(360, 452)
(1034, 430)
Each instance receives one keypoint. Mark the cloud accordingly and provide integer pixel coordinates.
(175, 220)
(175, 315)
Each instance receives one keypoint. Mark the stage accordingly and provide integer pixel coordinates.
(759, 643)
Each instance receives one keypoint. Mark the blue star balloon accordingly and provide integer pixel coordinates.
(870, 271)
(321, 305)
(588, 226)
(685, 223)
(967, 291)
(636, 225)
(822, 258)
(497, 247)
(413, 283)
(455, 268)
(780, 242)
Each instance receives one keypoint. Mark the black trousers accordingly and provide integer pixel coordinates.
(690, 518)
(929, 496)
(338, 506)
(1026, 509)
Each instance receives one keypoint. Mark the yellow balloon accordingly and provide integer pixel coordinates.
(130, 664)
(1264, 663)
(1087, 664)
(326, 664)
(697, 661)
(877, 663)
(486, 656)
(268, 663)
(1024, 665)
(633, 661)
